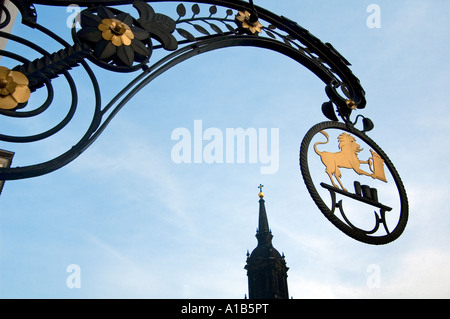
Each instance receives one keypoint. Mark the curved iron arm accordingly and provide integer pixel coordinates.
(281, 35)
(325, 51)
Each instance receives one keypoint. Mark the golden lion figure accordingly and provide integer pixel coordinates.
(347, 157)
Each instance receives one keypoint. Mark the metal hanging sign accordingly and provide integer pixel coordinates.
(354, 183)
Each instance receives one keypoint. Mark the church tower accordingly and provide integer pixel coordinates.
(266, 268)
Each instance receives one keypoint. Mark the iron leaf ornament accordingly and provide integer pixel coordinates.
(158, 25)
(41, 70)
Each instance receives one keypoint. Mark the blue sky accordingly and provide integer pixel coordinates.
(139, 225)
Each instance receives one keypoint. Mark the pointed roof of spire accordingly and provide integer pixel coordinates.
(263, 234)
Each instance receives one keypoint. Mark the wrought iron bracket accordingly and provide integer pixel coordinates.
(120, 42)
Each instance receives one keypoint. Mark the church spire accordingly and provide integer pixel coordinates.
(266, 268)
(263, 234)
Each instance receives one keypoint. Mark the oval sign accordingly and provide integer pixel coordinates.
(354, 183)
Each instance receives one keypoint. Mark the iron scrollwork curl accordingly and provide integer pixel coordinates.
(117, 41)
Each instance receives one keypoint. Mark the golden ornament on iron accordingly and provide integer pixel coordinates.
(13, 88)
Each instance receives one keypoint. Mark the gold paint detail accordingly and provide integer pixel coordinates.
(116, 31)
(347, 157)
(13, 88)
(261, 194)
(351, 104)
(376, 165)
(244, 18)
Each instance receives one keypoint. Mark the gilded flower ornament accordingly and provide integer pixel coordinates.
(118, 39)
(116, 31)
(13, 88)
(351, 104)
(114, 38)
(248, 22)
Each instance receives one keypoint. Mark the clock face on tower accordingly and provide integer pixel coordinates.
(354, 183)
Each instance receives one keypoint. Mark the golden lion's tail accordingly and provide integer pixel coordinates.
(315, 145)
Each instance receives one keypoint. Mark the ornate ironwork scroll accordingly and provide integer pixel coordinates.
(119, 41)
(122, 36)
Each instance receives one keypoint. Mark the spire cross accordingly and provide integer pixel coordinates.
(261, 194)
